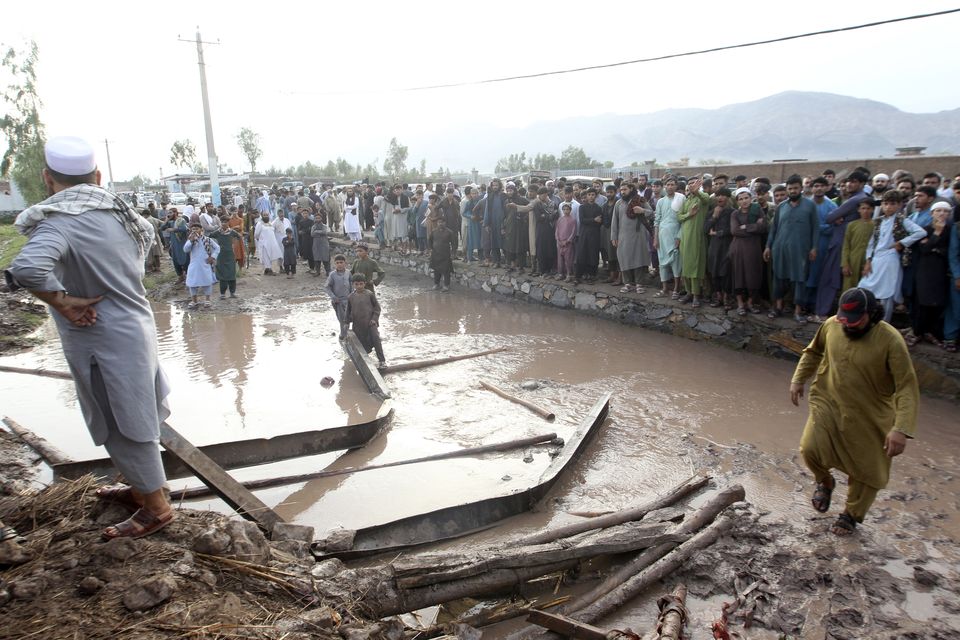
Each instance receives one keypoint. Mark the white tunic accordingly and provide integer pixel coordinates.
(886, 273)
(267, 248)
(351, 216)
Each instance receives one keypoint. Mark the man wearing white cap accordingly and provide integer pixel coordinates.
(84, 258)
(880, 183)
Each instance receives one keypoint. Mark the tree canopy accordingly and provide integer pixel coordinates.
(249, 142)
(183, 154)
(23, 158)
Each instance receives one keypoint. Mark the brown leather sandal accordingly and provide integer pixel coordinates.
(140, 524)
(120, 494)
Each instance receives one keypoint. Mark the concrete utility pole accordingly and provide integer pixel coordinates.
(109, 164)
(212, 167)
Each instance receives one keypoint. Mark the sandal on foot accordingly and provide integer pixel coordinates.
(911, 339)
(660, 294)
(821, 497)
(773, 314)
(140, 524)
(799, 319)
(844, 525)
(119, 494)
(754, 309)
(932, 339)
(696, 303)
(626, 288)
(675, 295)
(742, 311)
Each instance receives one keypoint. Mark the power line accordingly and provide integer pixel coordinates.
(670, 56)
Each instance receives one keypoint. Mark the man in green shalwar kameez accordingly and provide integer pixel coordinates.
(693, 240)
(863, 404)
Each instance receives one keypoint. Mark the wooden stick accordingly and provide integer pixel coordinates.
(627, 515)
(673, 614)
(46, 373)
(540, 411)
(200, 492)
(50, 454)
(420, 364)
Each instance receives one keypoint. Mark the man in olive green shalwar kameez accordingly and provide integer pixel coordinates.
(863, 404)
(693, 240)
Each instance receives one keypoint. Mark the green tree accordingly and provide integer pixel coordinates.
(545, 161)
(396, 163)
(330, 169)
(249, 142)
(514, 163)
(21, 125)
(608, 164)
(183, 154)
(575, 158)
(139, 181)
(423, 167)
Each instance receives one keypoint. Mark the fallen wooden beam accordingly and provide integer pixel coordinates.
(679, 492)
(420, 364)
(370, 375)
(540, 411)
(43, 373)
(199, 492)
(570, 628)
(224, 485)
(50, 454)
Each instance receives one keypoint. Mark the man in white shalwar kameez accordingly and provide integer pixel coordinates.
(267, 248)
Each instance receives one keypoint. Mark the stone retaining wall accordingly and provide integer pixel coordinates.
(938, 371)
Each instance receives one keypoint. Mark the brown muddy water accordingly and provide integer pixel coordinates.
(678, 407)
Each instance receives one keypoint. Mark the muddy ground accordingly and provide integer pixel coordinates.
(898, 577)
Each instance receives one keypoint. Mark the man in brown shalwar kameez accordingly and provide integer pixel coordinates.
(863, 404)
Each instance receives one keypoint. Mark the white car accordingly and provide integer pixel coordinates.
(178, 199)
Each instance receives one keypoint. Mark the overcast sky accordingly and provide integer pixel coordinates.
(321, 80)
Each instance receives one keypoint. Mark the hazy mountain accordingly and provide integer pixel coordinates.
(793, 124)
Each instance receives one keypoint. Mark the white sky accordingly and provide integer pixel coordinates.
(116, 70)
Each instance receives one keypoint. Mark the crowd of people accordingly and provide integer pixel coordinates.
(741, 244)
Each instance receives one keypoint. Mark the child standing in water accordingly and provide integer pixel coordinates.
(363, 311)
(338, 288)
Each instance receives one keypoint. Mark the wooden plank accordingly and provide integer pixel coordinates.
(370, 376)
(50, 454)
(567, 626)
(420, 364)
(230, 491)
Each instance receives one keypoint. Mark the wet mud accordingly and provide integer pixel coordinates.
(252, 368)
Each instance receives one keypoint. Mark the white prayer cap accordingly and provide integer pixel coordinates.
(882, 176)
(941, 205)
(736, 194)
(70, 156)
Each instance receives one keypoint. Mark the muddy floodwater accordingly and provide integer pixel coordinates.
(678, 407)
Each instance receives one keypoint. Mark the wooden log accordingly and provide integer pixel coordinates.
(673, 614)
(200, 492)
(679, 492)
(371, 376)
(568, 627)
(427, 569)
(703, 516)
(50, 454)
(421, 364)
(540, 411)
(658, 571)
(788, 342)
(45, 373)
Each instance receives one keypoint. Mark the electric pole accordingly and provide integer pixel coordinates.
(109, 164)
(212, 167)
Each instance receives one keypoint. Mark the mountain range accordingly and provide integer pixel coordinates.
(792, 124)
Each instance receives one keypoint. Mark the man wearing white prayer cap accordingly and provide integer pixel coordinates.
(84, 258)
(880, 183)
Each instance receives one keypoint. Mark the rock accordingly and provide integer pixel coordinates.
(322, 618)
(292, 551)
(602, 302)
(528, 458)
(337, 540)
(213, 542)
(560, 298)
(327, 381)
(585, 300)
(507, 478)
(287, 531)
(530, 385)
(925, 577)
(486, 287)
(29, 587)
(247, 542)
(494, 281)
(122, 548)
(711, 328)
(150, 593)
(691, 320)
(504, 289)
(525, 287)
(89, 586)
(659, 313)
(536, 293)
(327, 568)
(12, 553)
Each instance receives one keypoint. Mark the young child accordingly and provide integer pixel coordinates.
(565, 232)
(883, 272)
(289, 254)
(338, 288)
(855, 240)
(319, 234)
(203, 254)
(368, 267)
(363, 311)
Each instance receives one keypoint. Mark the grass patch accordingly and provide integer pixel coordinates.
(11, 241)
(153, 280)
